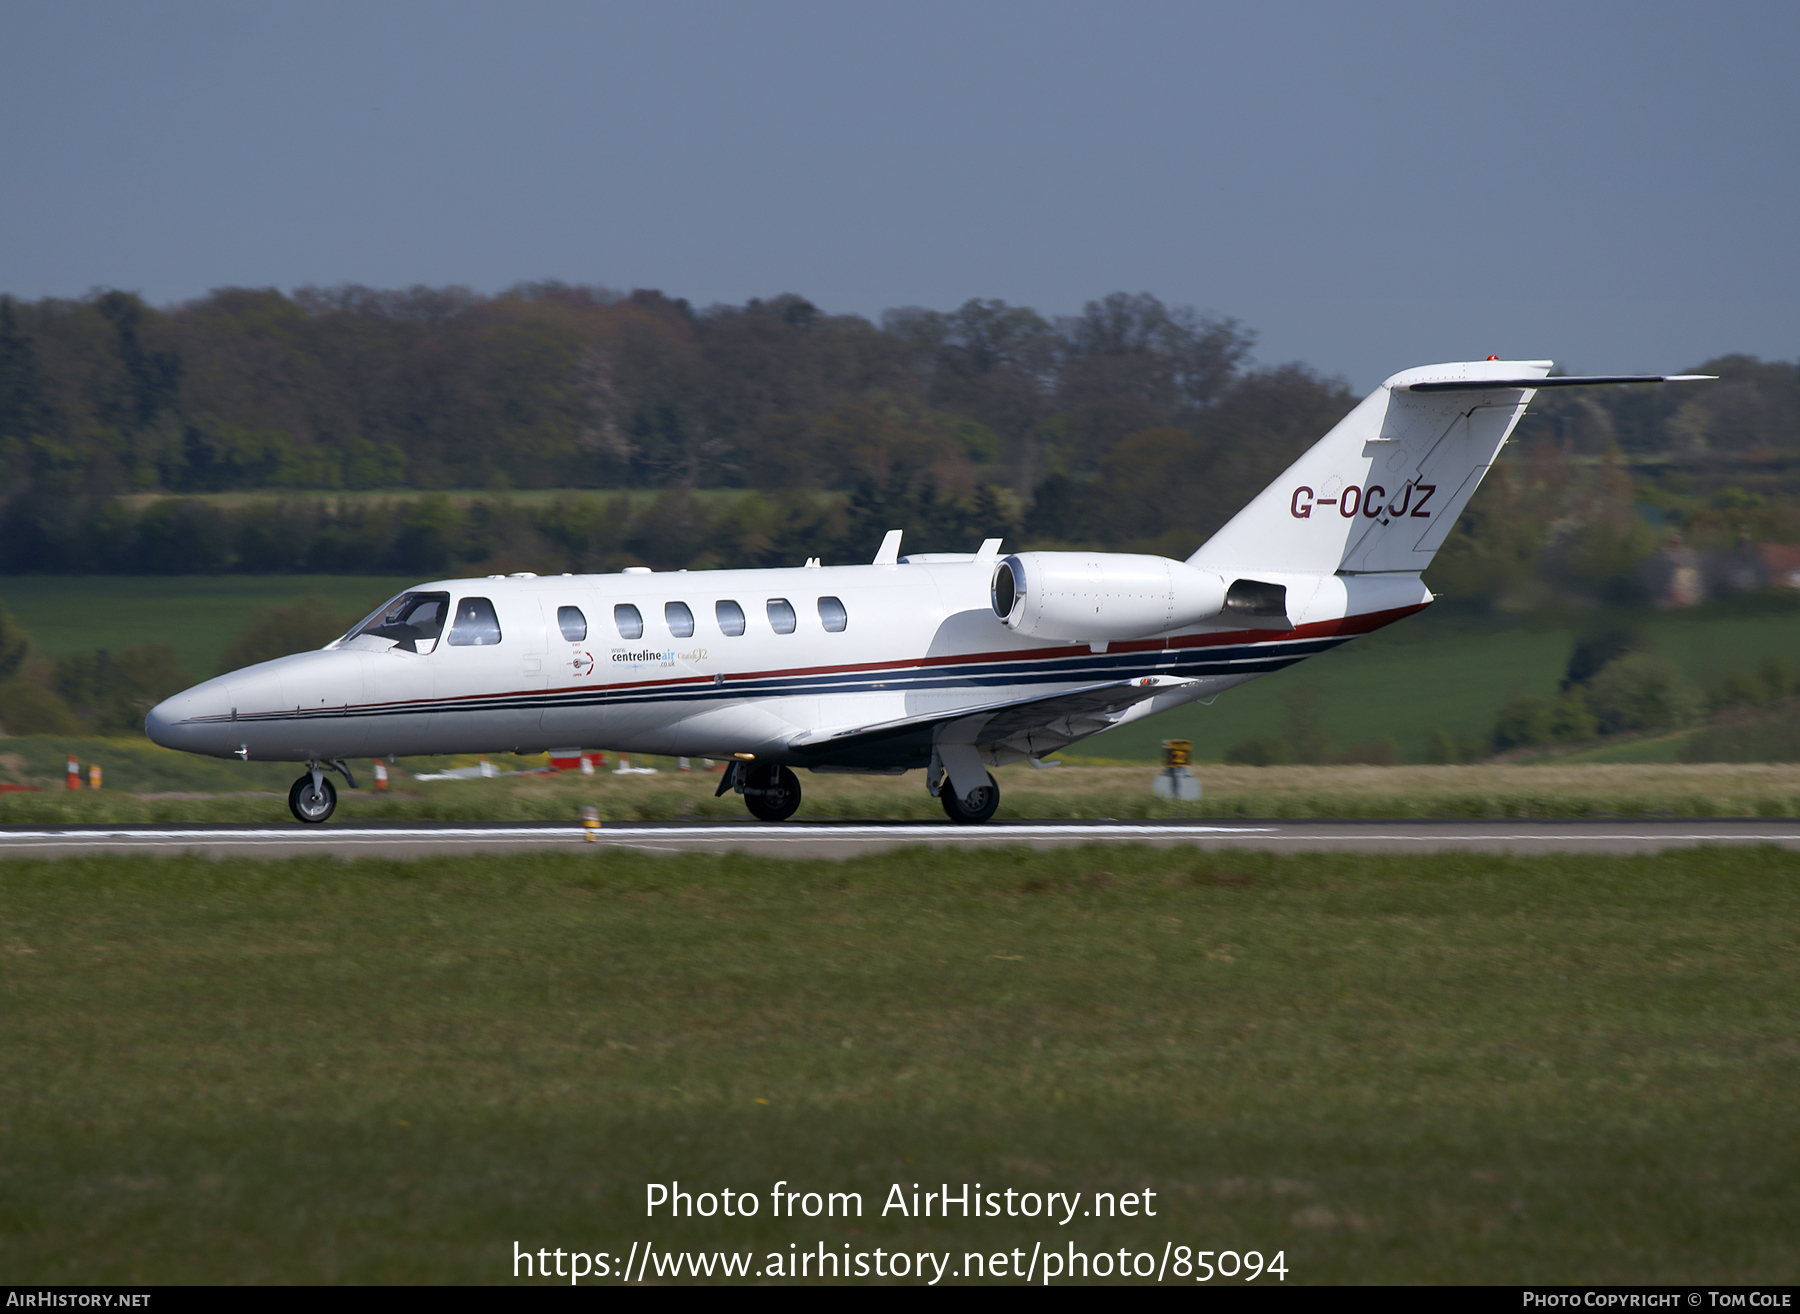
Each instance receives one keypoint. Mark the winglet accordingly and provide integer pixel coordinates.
(889, 555)
(989, 549)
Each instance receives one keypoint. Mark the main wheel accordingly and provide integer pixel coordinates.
(772, 793)
(312, 805)
(974, 808)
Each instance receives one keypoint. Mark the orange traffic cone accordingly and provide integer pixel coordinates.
(380, 775)
(74, 773)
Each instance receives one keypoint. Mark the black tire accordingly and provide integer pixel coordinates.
(772, 793)
(310, 807)
(976, 808)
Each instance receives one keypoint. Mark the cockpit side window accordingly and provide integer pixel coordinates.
(475, 625)
(409, 620)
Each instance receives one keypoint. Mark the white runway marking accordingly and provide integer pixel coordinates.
(349, 835)
(846, 839)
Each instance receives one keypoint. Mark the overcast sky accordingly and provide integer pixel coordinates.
(1369, 187)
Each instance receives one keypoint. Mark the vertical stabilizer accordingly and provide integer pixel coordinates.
(1382, 489)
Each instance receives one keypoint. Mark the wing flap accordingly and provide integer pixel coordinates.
(1062, 717)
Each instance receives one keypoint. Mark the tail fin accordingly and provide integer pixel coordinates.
(1381, 491)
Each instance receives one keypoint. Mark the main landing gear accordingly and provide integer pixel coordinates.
(772, 793)
(314, 798)
(973, 808)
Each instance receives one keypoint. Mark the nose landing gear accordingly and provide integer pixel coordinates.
(314, 798)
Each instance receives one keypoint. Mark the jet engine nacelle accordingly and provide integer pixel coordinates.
(1090, 596)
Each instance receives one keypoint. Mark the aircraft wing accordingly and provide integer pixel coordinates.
(1031, 726)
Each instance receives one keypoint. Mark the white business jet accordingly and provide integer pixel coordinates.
(948, 662)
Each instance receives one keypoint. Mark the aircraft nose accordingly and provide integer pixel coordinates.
(195, 721)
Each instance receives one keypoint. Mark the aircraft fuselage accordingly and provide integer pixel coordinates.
(916, 638)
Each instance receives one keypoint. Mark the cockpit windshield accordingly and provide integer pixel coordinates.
(409, 620)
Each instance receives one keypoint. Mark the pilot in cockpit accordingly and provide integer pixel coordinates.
(411, 618)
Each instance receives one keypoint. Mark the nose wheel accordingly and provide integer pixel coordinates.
(313, 798)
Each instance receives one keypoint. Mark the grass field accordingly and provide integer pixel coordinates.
(1452, 672)
(146, 783)
(1445, 1069)
(197, 615)
(1440, 670)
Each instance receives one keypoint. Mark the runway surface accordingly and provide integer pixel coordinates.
(848, 839)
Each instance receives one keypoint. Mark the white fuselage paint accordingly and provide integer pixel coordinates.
(921, 638)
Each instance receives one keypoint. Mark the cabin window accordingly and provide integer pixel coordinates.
(629, 621)
(409, 620)
(680, 619)
(731, 617)
(832, 615)
(781, 615)
(572, 623)
(475, 625)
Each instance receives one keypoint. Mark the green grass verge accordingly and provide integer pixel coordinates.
(1435, 1069)
(149, 784)
(132, 765)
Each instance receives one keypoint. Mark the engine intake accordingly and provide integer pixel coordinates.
(1092, 596)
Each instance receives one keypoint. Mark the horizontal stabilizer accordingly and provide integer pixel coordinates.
(1562, 381)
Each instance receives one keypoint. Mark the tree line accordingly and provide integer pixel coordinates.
(436, 534)
(548, 386)
(1133, 425)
